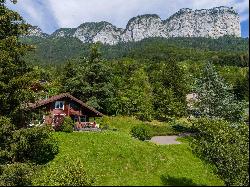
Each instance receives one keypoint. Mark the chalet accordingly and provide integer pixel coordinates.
(54, 109)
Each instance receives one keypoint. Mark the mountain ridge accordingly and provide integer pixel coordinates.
(214, 22)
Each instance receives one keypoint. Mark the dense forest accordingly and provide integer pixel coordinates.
(148, 79)
(227, 49)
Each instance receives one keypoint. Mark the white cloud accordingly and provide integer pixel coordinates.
(243, 8)
(71, 13)
(74, 12)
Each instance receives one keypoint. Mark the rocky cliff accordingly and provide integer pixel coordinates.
(215, 22)
(36, 31)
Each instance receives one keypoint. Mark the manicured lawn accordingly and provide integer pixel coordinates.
(114, 158)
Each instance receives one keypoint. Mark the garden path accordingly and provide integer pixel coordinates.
(164, 140)
(167, 140)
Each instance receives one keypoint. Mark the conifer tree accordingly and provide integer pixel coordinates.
(214, 97)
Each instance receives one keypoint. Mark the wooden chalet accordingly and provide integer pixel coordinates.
(54, 109)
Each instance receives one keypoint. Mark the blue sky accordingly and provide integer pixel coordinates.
(50, 15)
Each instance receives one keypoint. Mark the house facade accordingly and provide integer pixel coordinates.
(54, 109)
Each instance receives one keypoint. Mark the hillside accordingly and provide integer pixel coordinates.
(59, 50)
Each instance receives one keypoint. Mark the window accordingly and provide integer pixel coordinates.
(83, 118)
(59, 105)
(76, 119)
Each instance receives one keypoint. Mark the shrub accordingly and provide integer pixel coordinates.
(27, 144)
(226, 146)
(34, 144)
(141, 132)
(68, 174)
(67, 125)
(6, 131)
(17, 174)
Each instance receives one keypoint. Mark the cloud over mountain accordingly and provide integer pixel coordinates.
(52, 14)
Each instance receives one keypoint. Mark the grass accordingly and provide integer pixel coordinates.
(125, 124)
(115, 158)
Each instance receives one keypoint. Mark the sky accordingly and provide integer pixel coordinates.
(50, 15)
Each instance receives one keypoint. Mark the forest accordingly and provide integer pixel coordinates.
(148, 79)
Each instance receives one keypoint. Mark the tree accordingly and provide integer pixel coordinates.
(169, 89)
(89, 80)
(15, 79)
(18, 145)
(214, 97)
(135, 98)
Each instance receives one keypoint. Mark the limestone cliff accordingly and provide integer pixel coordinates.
(215, 22)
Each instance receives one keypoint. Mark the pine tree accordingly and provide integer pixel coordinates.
(214, 97)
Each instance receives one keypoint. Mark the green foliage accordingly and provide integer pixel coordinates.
(35, 144)
(17, 174)
(226, 146)
(89, 80)
(6, 131)
(141, 132)
(229, 50)
(169, 89)
(70, 173)
(134, 95)
(214, 98)
(15, 76)
(241, 88)
(25, 145)
(67, 125)
(236, 59)
(18, 144)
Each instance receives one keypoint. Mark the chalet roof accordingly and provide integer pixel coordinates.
(60, 96)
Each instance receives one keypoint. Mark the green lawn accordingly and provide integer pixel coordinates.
(115, 158)
(125, 124)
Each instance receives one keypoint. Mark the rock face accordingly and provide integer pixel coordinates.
(94, 32)
(36, 31)
(63, 32)
(215, 22)
(145, 26)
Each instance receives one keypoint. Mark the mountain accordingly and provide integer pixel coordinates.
(209, 23)
(35, 31)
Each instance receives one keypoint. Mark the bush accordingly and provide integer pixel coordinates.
(6, 131)
(141, 132)
(67, 125)
(35, 144)
(226, 146)
(68, 174)
(26, 145)
(17, 174)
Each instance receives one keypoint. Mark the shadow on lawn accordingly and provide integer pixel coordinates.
(181, 128)
(175, 181)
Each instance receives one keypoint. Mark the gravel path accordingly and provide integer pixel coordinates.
(168, 140)
(164, 140)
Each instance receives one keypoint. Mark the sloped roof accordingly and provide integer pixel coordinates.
(60, 96)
